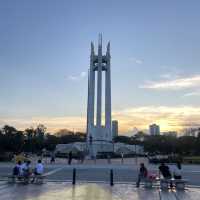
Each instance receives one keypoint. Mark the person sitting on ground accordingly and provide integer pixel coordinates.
(142, 174)
(39, 169)
(177, 171)
(17, 168)
(164, 171)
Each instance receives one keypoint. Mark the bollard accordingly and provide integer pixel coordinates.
(111, 177)
(74, 177)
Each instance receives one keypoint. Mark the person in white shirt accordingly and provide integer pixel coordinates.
(25, 169)
(177, 172)
(39, 170)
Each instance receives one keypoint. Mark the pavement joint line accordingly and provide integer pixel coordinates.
(53, 171)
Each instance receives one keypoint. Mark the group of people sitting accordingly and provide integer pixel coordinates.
(24, 170)
(164, 171)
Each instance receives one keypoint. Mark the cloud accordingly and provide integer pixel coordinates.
(175, 84)
(78, 77)
(168, 117)
(137, 61)
(191, 94)
(53, 124)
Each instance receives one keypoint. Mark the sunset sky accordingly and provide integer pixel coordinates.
(155, 62)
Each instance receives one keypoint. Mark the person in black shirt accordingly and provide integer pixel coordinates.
(142, 174)
(164, 170)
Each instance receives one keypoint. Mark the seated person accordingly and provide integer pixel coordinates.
(25, 169)
(16, 169)
(177, 171)
(142, 174)
(39, 169)
(164, 170)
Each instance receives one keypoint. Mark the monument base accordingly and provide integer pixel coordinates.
(99, 147)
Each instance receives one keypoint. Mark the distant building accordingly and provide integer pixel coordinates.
(170, 133)
(191, 132)
(154, 129)
(114, 128)
(118, 148)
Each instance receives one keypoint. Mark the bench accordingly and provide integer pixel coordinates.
(14, 179)
(179, 184)
(150, 181)
(38, 179)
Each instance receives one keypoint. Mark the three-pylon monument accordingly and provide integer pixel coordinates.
(99, 135)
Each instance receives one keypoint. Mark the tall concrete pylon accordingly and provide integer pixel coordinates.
(99, 135)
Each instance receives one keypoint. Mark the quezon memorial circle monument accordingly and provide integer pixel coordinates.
(99, 125)
(99, 136)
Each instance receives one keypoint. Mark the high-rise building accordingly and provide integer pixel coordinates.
(154, 129)
(114, 128)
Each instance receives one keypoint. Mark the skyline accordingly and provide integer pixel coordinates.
(44, 57)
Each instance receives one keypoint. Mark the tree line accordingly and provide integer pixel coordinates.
(34, 140)
(165, 144)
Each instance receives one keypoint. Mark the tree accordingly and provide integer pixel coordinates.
(51, 142)
(29, 137)
(63, 132)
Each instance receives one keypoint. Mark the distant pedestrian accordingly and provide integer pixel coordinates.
(122, 158)
(52, 158)
(109, 159)
(143, 172)
(177, 172)
(70, 158)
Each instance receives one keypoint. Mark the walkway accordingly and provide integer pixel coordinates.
(89, 191)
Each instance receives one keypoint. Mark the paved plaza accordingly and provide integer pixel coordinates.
(92, 182)
(90, 191)
(99, 172)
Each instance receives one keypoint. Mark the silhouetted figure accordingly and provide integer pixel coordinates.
(70, 158)
(164, 170)
(52, 158)
(142, 174)
(17, 168)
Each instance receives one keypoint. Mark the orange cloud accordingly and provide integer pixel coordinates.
(169, 118)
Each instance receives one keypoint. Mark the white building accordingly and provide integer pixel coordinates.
(118, 148)
(154, 129)
(191, 132)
